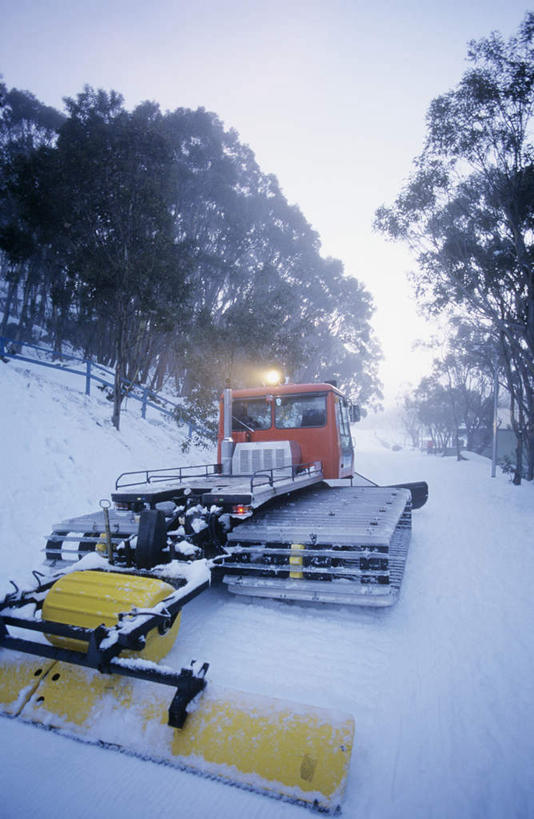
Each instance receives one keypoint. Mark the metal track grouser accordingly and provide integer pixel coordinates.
(281, 514)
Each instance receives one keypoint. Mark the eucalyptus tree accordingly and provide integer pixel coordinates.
(26, 125)
(117, 176)
(435, 412)
(468, 209)
(261, 289)
(468, 376)
(169, 252)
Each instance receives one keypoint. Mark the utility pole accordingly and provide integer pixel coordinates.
(495, 409)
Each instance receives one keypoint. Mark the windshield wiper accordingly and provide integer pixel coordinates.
(239, 421)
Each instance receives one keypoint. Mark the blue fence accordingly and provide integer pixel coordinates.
(93, 372)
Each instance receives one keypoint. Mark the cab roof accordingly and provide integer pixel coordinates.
(285, 389)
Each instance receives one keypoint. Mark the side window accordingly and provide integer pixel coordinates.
(343, 424)
(251, 414)
(300, 411)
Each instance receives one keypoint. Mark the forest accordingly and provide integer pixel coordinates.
(153, 243)
(467, 213)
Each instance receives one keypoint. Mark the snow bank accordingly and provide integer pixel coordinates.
(60, 455)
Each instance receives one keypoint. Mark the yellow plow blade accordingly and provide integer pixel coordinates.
(287, 749)
(20, 675)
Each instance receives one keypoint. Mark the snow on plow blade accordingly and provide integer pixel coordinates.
(286, 749)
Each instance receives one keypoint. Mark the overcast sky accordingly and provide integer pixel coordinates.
(331, 96)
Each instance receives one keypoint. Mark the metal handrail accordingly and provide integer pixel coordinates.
(138, 392)
(169, 473)
(310, 468)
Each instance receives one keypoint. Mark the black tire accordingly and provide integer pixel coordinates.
(216, 532)
(151, 539)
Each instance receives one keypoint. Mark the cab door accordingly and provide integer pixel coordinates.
(346, 449)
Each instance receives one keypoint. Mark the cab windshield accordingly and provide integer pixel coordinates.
(299, 411)
(250, 414)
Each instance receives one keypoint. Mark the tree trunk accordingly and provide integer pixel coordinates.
(530, 457)
(518, 472)
(517, 426)
(20, 334)
(11, 293)
(119, 369)
(58, 332)
(458, 448)
(43, 300)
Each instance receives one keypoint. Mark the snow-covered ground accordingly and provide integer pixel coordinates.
(441, 686)
(60, 454)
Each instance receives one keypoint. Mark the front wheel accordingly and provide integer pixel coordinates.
(151, 539)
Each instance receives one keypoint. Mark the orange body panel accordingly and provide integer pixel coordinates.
(316, 443)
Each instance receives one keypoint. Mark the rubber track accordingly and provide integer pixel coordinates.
(358, 521)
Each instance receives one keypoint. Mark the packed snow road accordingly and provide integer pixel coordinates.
(441, 686)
